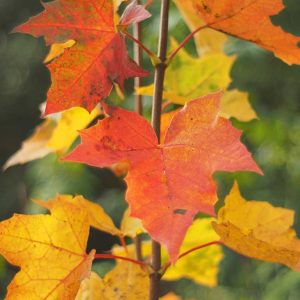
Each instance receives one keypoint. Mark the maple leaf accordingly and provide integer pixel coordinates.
(131, 226)
(250, 20)
(169, 183)
(258, 230)
(126, 281)
(201, 266)
(50, 249)
(189, 77)
(85, 73)
(97, 217)
(54, 135)
(170, 296)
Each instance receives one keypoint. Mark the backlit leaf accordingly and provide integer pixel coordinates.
(53, 136)
(250, 20)
(85, 73)
(97, 217)
(126, 281)
(188, 78)
(168, 184)
(258, 230)
(207, 40)
(51, 251)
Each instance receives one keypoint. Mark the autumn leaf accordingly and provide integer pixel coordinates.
(131, 226)
(85, 73)
(170, 296)
(51, 251)
(236, 104)
(134, 13)
(35, 146)
(58, 49)
(258, 230)
(188, 78)
(207, 40)
(168, 184)
(126, 281)
(97, 217)
(54, 135)
(200, 266)
(250, 20)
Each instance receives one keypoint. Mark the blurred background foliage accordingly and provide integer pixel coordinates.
(274, 140)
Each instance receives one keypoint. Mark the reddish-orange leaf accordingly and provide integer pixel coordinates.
(85, 73)
(168, 184)
(250, 20)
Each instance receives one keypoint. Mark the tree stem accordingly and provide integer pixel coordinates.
(138, 57)
(156, 116)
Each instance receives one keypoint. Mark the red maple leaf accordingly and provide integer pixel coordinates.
(85, 73)
(168, 184)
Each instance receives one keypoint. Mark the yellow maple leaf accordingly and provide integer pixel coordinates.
(53, 136)
(188, 78)
(34, 147)
(131, 226)
(207, 40)
(236, 104)
(170, 296)
(97, 217)
(200, 266)
(258, 230)
(70, 122)
(126, 281)
(51, 251)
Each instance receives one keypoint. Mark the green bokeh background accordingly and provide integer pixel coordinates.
(274, 140)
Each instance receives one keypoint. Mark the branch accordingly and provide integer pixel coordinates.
(182, 44)
(111, 256)
(142, 46)
(159, 77)
(168, 264)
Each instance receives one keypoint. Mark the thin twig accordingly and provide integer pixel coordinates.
(181, 45)
(111, 256)
(168, 264)
(149, 52)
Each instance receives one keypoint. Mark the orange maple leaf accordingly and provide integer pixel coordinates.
(250, 20)
(168, 184)
(85, 73)
(51, 251)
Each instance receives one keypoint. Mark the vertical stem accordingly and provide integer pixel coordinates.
(156, 116)
(137, 33)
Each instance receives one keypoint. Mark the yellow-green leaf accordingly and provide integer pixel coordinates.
(236, 104)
